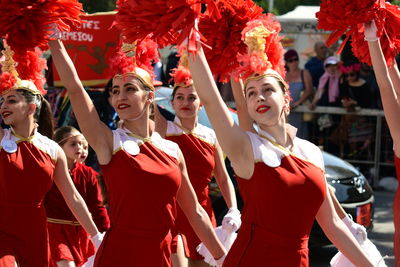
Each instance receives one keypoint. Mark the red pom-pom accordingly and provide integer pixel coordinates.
(7, 81)
(181, 76)
(348, 17)
(252, 62)
(225, 35)
(146, 54)
(26, 24)
(340, 16)
(30, 66)
(388, 24)
(169, 22)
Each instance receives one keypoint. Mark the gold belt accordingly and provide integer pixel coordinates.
(59, 221)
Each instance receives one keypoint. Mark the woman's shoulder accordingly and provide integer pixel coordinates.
(167, 146)
(309, 152)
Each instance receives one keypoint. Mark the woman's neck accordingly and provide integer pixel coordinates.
(140, 127)
(188, 123)
(24, 130)
(279, 133)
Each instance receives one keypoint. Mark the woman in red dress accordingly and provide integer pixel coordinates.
(388, 80)
(29, 163)
(145, 174)
(204, 159)
(281, 177)
(69, 243)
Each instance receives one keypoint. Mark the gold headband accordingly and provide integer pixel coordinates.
(268, 73)
(142, 75)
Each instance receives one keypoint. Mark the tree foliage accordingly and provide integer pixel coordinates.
(92, 6)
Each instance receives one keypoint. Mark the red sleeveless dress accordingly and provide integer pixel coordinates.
(280, 203)
(142, 179)
(396, 215)
(26, 175)
(67, 238)
(198, 149)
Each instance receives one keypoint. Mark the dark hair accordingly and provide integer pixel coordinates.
(61, 134)
(108, 89)
(290, 54)
(174, 92)
(43, 114)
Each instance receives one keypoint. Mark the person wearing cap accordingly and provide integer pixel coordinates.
(300, 87)
(328, 86)
(388, 79)
(316, 64)
(30, 162)
(145, 174)
(204, 159)
(271, 163)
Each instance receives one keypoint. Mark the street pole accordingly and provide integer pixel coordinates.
(271, 5)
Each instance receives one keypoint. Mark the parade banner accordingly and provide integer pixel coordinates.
(90, 48)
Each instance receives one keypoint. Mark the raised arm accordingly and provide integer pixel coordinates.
(339, 234)
(196, 215)
(71, 196)
(223, 179)
(245, 121)
(233, 140)
(96, 132)
(386, 80)
(395, 76)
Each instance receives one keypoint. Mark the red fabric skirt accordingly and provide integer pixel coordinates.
(256, 246)
(69, 242)
(189, 237)
(134, 247)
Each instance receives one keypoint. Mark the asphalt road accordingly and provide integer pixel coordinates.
(381, 235)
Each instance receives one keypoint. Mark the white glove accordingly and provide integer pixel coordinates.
(231, 221)
(226, 238)
(357, 230)
(220, 261)
(370, 31)
(90, 261)
(97, 239)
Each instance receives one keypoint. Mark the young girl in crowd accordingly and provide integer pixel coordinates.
(30, 162)
(388, 79)
(69, 243)
(272, 166)
(145, 174)
(203, 157)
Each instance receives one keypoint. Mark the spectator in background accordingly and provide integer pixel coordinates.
(355, 133)
(328, 95)
(328, 85)
(367, 74)
(316, 64)
(300, 87)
